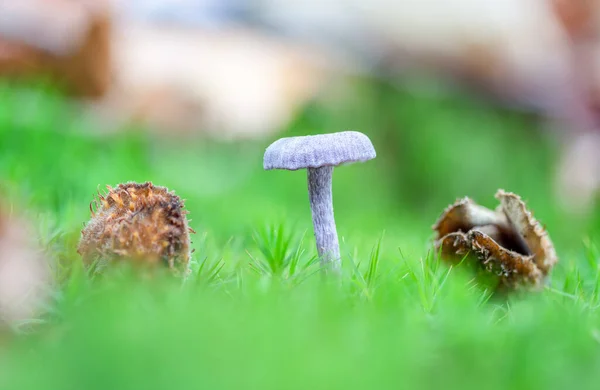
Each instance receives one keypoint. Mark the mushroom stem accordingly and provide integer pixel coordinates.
(321, 205)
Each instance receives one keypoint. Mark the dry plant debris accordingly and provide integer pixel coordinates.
(25, 278)
(143, 223)
(507, 242)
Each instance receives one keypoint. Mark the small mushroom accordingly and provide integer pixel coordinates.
(507, 242)
(319, 154)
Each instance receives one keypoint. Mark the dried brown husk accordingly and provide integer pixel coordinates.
(507, 242)
(142, 223)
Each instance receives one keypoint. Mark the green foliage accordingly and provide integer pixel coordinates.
(256, 311)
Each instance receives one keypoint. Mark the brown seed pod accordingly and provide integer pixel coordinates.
(507, 242)
(139, 222)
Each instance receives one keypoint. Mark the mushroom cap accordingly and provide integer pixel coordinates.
(315, 151)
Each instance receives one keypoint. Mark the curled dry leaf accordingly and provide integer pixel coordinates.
(507, 242)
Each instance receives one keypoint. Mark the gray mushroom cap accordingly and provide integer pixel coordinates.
(315, 151)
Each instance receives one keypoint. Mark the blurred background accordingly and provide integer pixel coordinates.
(460, 97)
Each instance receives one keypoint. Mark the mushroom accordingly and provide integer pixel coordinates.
(319, 154)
